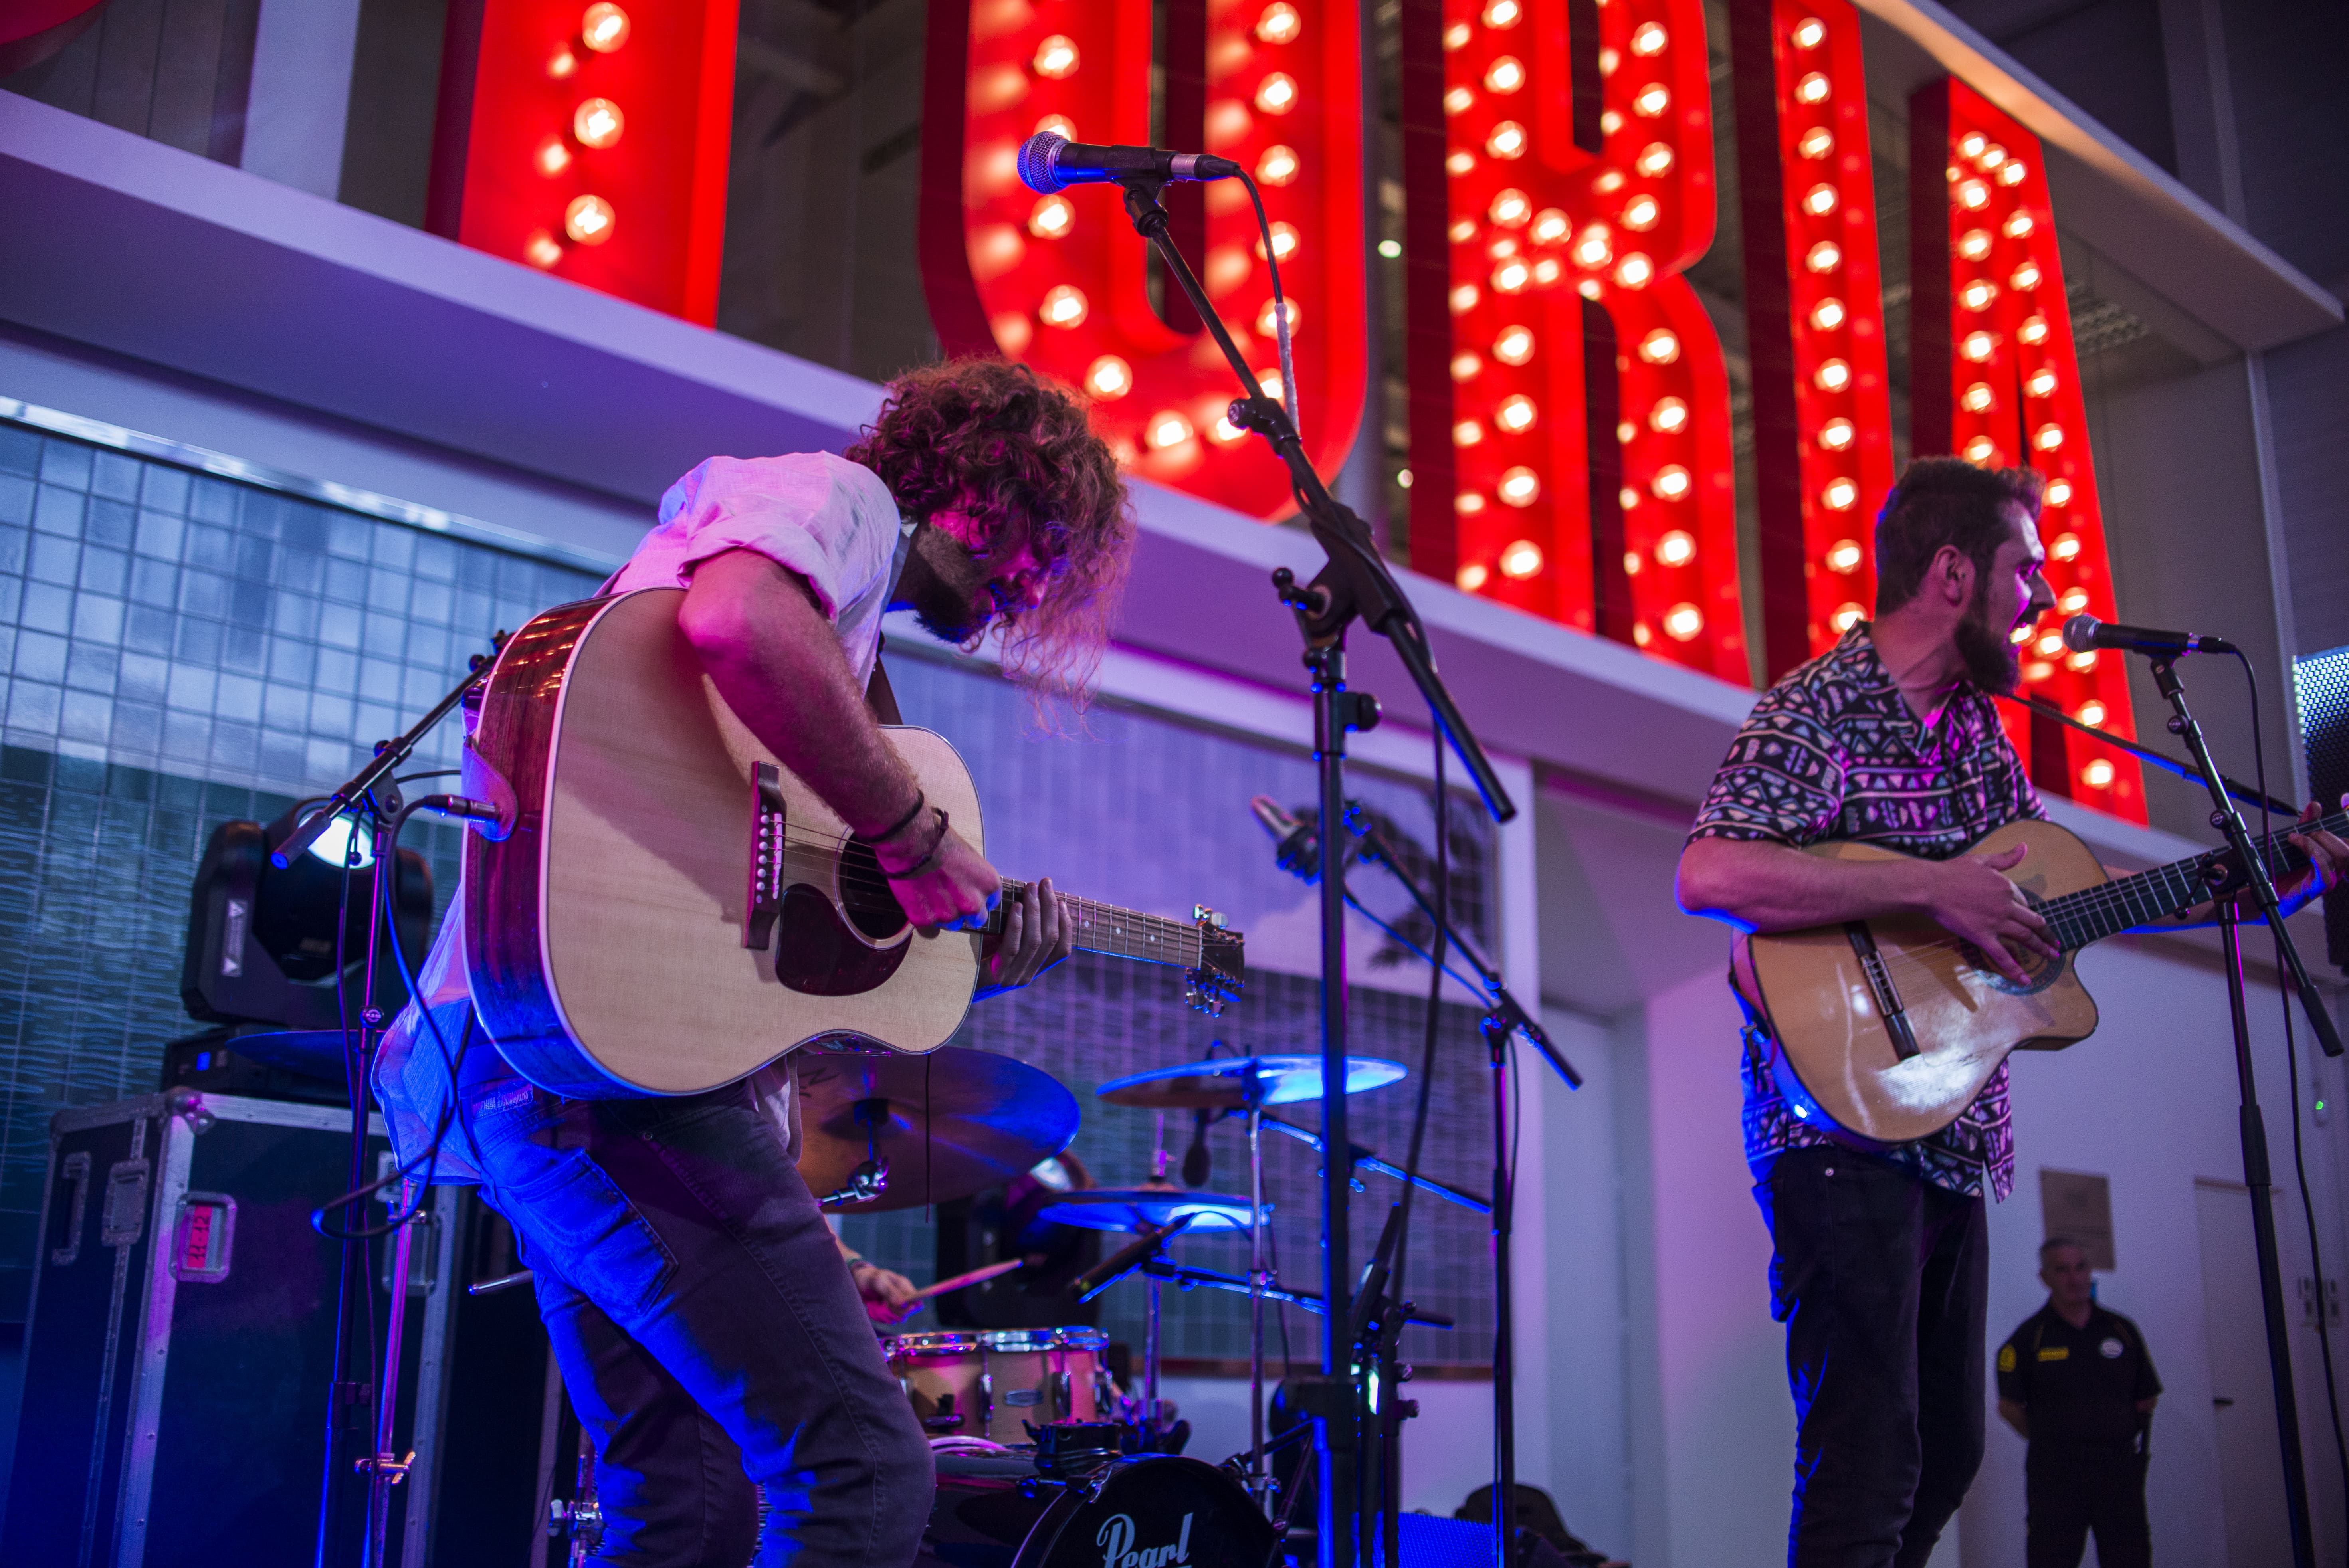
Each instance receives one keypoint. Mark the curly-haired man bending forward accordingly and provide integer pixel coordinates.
(711, 1340)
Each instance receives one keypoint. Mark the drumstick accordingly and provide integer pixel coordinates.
(990, 1271)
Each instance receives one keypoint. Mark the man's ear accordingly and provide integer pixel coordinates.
(1953, 575)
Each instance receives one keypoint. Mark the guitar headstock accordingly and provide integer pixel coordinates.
(1222, 963)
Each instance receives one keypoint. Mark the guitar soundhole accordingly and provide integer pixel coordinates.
(816, 955)
(2044, 972)
(865, 895)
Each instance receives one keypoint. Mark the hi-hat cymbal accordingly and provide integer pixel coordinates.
(949, 1124)
(1223, 1084)
(1147, 1208)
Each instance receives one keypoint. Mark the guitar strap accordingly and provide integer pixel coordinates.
(878, 695)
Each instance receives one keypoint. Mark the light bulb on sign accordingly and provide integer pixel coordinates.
(1467, 433)
(1971, 145)
(1269, 382)
(2013, 173)
(1635, 270)
(1463, 298)
(1654, 161)
(1813, 89)
(1502, 244)
(1977, 295)
(1280, 24)
(599, 123)
(543, 250)
(1651, 100)
(2081, 663)
(2073, 601)
(1285, 241)
(2047, 437)
(1677, 547)
(1819, 200)
(1827, 315)
(1640, 215)
(1511, 276)
(1832, 376)
(2039, 382)
(1627, 497)
(1504, 14)
(2051, 644)
(1993, 156)
(1977, 397)
(604, 27)
(1466, 367)
(589, 220)
(1671, 482)
(1505, 75)
(1508, 141)
(1056, 57)
(1512, 207)
(1823, 257)
(1268, 320)
(1683, 622)
(1592, 250)
(1515, 414)
(1641, 635)
(1978, 346)
(1279, 166)
(1975, 244)
(1062, 126)
(554, 157)
(1844, 557)
(1669, 417)
(1660, 347)
(1648, 39)
(1109, 378)
(2058, 493)
(1277, 94)
(2025, 277)
(2034, 330)
(1837, 435)
(1816, 142)
(1458, 101)
(562, 63)
(1549, 226)
(1626, 432)
(1809, 33)
(1169, 429)
(1841, 495)
(1468, 503)
(1226, 433)
(1972, 195)
(2097, 774)
(1014, 330)
(1064, 305)
(2016, 226)
(1514, 346)
(2092, 713)
(2038, 670)
(1472, 576)
(1981, 450)
(1846, 615)
(1456, 37)
(1521, 560)
(1051, 218)
(1520, 486)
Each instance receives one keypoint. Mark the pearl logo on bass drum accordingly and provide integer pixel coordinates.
(1116, 1542)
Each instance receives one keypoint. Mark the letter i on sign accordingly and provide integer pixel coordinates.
(1999, 385)
(1622, 521)
(1814, 319)
(1062, 282)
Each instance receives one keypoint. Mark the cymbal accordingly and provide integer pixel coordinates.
(1147, 1208)
(1222, 1084)
(989, 1118)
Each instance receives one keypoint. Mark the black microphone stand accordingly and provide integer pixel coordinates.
(2245, 867)
(1354, 583)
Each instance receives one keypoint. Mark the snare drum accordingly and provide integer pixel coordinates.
(986, 1383)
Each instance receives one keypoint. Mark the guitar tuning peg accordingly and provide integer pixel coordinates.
(1205, 916)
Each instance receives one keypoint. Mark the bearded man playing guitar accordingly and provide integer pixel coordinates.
(1892, 740)
(711, 1340)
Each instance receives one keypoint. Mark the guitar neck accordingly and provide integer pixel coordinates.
(2126, 902)
(1120, 933)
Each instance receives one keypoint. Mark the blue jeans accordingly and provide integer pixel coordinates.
(1881, 1280)
(707, 1331)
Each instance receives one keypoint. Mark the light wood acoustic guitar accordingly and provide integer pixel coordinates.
(1886, 1029)
(662, 907)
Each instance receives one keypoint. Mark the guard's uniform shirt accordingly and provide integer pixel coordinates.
(2080, 1386)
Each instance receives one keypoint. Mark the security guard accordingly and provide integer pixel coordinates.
(2077, 1383)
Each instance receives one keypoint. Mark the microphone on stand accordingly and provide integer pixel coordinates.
(1295, 846)
(1050, 162)
(2083, 633)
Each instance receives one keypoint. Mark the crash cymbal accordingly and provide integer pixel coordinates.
(1147, 1208)
(1221, 1084)
(949, 1124)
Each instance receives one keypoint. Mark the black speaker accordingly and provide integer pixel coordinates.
(2322, 681)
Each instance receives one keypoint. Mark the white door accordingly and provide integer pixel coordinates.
(2251, 1466)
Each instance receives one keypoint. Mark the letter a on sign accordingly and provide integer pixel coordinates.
(1063, 283)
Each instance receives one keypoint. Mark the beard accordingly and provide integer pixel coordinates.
(959, 628)
(1992, 661)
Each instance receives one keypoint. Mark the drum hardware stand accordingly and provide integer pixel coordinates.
(2242, 869)
(1354, 583)
(1363, 1158)
(581, 1516)
(372, 790)
(870, 1179)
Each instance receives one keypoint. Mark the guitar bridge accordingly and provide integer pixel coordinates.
(1879, 982)
(762, 905)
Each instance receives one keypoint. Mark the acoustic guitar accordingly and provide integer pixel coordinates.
(662, 907)
(1888, 1028)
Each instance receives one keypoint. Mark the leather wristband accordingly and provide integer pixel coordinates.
(930, 858)
(901, 824)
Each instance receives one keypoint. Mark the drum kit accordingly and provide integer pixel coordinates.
(1043, 1455)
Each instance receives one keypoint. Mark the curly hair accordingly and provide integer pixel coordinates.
(1017, 454)
(1945, 501)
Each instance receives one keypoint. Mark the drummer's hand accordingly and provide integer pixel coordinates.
(1034, 938)
(888, 1296)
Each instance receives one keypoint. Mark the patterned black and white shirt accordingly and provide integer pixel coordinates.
(1834, 751)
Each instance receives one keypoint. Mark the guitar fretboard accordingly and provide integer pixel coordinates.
(1120, 933)
(2123, 904)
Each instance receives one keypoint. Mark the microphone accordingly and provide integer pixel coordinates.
(1050, 162)
(2083, 633)
(1296, 847)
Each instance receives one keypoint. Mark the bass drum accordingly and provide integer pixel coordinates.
(1160, 1512)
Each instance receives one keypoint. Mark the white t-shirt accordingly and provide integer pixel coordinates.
(831, 521)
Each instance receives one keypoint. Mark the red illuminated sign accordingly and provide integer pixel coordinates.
(591, 141)
(1062, 282)
(1813, 319)
(1996, 379)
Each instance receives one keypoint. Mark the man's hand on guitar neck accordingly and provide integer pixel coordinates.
(1767, 887)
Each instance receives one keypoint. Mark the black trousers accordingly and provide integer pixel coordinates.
(1880, 1280)
(707, 1331)
(2072, 1491)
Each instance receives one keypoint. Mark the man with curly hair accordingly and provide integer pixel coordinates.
(710, 1338)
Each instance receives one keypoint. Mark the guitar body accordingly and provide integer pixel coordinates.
(1845, 1062)
(608, 935)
